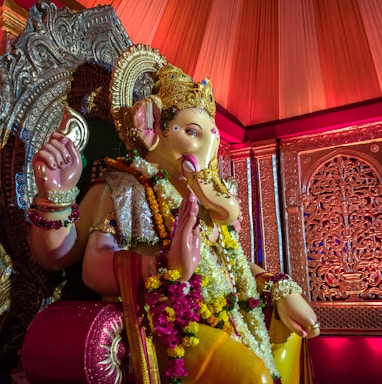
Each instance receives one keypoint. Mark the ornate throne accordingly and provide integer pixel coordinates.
(62, 61)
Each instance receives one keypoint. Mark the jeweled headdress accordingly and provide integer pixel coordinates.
(177, 89)
(142, 73)
(174, 87)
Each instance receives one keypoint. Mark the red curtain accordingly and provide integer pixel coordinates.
(268, 59)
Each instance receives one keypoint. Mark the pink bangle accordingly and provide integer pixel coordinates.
(38, 220)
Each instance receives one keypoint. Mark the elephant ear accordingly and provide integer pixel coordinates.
(145, 120)
(132, 103)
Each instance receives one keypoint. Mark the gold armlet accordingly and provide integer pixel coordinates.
(107, 225)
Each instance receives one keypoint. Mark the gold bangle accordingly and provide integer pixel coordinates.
(47, 206)
(314, 326)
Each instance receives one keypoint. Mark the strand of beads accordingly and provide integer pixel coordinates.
(38, 220)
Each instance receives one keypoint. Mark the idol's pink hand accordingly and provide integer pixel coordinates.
(57, 165)
(184, 254)
(298, 315)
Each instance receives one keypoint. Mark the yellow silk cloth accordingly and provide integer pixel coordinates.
(287, 359)
(290, 353)
(217, 359)
(220, 359)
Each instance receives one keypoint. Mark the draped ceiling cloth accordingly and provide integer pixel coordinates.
(267, 59)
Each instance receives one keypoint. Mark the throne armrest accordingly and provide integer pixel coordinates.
(76, 342)
(143, 355)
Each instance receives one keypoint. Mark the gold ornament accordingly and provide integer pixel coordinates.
(131, 67)
(177, 89)
(141, 73)
(210, 175)
(314, 326)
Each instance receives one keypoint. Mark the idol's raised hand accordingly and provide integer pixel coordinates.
(57, 165)
(184, 254)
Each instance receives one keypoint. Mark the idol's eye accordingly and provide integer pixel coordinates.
(191, 132)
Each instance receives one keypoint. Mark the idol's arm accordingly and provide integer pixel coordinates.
(294, 311)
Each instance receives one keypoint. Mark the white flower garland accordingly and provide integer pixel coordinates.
(249, 325)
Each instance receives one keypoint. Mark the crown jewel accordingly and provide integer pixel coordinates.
(177, 89)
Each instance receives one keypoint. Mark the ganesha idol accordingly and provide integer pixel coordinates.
(164, 208)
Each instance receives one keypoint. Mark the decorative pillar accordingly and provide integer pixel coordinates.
(265, 155)
(12, 22)
(255, 168)
(243, 171)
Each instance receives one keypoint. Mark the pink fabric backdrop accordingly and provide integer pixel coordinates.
(268, 59)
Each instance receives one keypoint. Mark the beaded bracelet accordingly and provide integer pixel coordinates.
(38, 220)
(277, 287)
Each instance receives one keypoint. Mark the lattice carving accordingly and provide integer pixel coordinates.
(247, 234)
(242, 167)
(331, 186)
(343, 229)
(269, 213)
(350, 318)
(224, 156)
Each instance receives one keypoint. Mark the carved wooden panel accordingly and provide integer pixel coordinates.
(243, 171)
(342, 208)
(224, 157)
(265, 157)
(332, 208)
(256, 169)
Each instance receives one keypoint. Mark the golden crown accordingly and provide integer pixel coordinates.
(177, 89)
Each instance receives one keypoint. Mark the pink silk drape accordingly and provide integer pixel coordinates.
(268, 59)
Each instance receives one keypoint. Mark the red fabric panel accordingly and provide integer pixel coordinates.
(346, 359)
(348, 71)
(254, 80)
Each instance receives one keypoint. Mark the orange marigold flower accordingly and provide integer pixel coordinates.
(190, 341)
(172, 275)
(178, 351)
(154, 207)
(158, 217)
(228, 328)
(213, 321)
(152, 283)
(166, 242)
